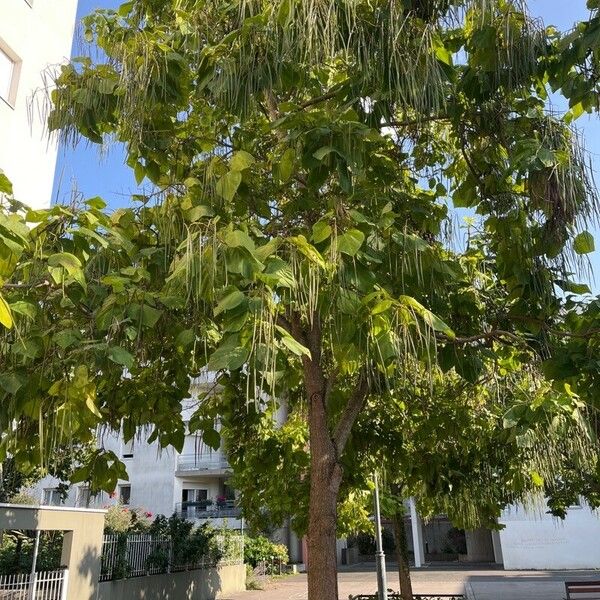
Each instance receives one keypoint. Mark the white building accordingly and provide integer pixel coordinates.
(533, 539)
(192, 483)
(35, 35)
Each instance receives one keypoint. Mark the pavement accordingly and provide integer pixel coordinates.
(476, 582)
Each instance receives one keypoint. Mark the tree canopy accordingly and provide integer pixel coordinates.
(305, 159)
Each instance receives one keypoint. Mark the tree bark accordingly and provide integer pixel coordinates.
(402, 557)
(325, 467)
(325, 479)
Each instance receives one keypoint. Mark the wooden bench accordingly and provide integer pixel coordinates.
(582, 590)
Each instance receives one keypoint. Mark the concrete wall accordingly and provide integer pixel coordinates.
(533, 539)
(200, 584)
(39, 33)
(82, 544)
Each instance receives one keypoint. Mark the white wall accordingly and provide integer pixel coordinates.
(41, 35)
(154, 486)
(535, 540)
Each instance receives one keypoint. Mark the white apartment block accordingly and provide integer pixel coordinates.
(35, 35)
(192, 483)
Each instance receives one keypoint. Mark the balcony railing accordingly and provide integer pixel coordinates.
(207, 509)
(195, 462)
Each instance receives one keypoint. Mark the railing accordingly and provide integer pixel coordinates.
(395, 596)
(44, 585)
(208, 509)
(198, 462)
(136, 555)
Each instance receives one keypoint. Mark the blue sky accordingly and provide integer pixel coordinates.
(105, 175)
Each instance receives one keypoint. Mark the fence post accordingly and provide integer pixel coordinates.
(33, 576)
(65, 585)
(170, 560)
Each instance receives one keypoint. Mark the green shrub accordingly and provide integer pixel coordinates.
(122, 519)
(16, 551)
(259, 548)
(190, 544)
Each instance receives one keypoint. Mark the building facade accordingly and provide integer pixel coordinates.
(192, 483)
(35, 37)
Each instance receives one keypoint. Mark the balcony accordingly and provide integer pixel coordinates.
(208, 509)
(214, 464)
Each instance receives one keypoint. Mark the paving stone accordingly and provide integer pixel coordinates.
(479, 583)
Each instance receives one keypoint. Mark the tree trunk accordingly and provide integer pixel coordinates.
(325, 479)
(325, 467)
(402, 557)
(325, 476)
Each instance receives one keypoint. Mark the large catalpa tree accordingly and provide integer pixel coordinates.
(305, 155)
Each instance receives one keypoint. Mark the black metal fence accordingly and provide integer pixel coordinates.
(395, 596)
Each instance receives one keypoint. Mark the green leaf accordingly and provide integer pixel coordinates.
(239, 238)
(233, 299)
(185, 338)
(12, 382)
(198, 212)
(286, 165)
(121, 356)
(229, 355)
(150, 316)
(96, 202)
(91, 405)
(575, 288)
(428, 317)
(537, 479)
(228, 185)
(211, 438)
(443, 54)
(292, 344)
(277, 273)
(381, 306)
(241, 160)
(284, 12)
(67, 337)
(301, 243)
(27, 309)
(584, 243)
(5, 185)
(125, 8)
(139, 171)
(5, 314)
(66, 260)
(547, 157)
(321, 231)
(321, 153)
(350, 242)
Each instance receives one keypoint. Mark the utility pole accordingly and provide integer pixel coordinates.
(379, 555)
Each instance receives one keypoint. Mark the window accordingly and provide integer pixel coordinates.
(125, 494)
(10, 67)
(52, 497)
(127, 449)
(84, 496)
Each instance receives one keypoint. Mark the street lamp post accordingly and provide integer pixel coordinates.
(379, 555)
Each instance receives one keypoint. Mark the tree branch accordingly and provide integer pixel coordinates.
(410, 122)
(494, 334)
(26, 286)
(318, 99)
(351, 412)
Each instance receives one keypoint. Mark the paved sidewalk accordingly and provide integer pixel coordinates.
(478, 583)
(523, 585)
